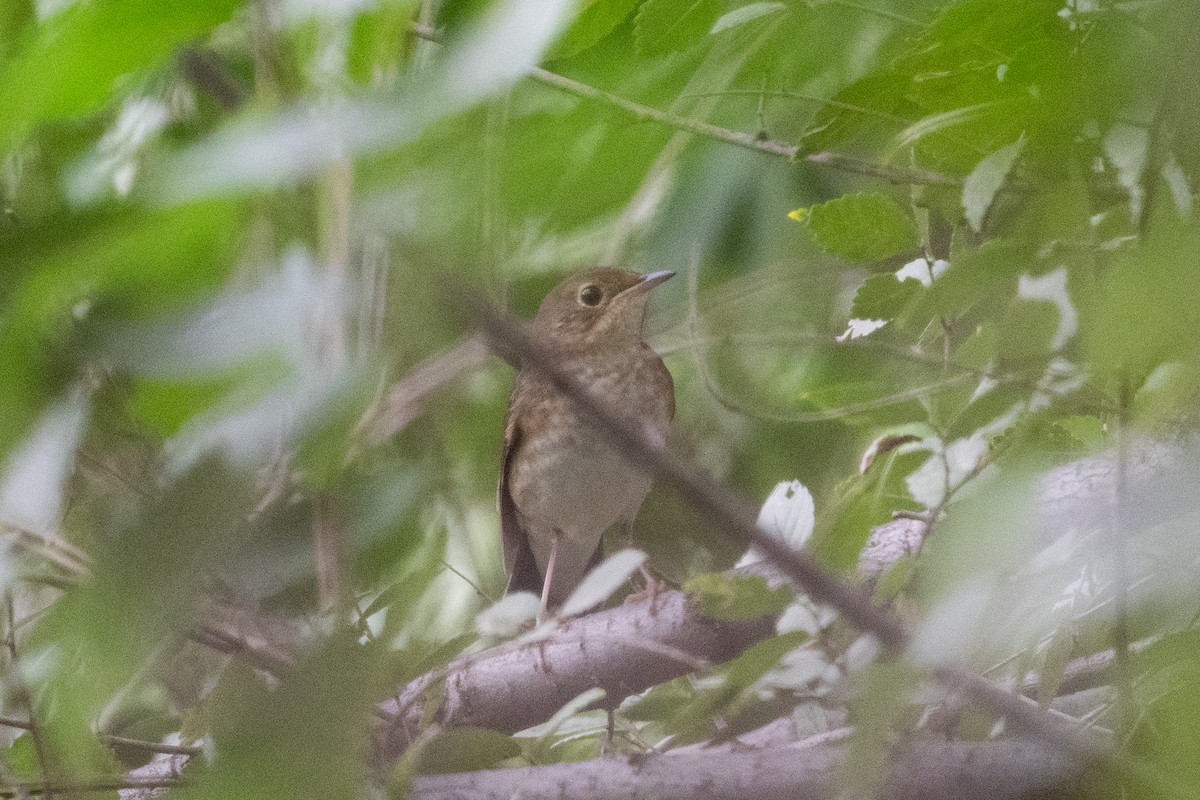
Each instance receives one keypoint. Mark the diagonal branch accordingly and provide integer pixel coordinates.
(736, 519)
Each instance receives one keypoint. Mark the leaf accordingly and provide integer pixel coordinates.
(863, 502)
(744, 14)
(304, 737)
(34, 476)
(664, 26)
(599, 584)
(883, 297)
(1145, 311)
(981, 186)
(464, 750)
(788, 515)
(862, 227)
(945, 470)
(544, 734)
(71, 62)
(760, 659)
(1127, 148)
(721, 595)
(509, 616)
(596, 20)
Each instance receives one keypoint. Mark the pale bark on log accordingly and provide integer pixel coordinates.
(926, 770)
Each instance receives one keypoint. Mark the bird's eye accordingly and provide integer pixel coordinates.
(591, 295)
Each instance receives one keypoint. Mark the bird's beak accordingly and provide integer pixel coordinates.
(650, 281)
(655, 278)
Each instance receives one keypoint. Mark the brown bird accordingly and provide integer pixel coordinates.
(561, 484)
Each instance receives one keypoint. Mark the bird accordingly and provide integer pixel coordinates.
(562, 485)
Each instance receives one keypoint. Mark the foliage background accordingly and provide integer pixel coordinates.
(229, 227)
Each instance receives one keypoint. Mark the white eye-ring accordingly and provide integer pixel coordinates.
(591, 295)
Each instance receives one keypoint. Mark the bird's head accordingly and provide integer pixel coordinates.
(598, 306)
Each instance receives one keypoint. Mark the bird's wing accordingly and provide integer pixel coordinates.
(662, 376)
(523, 575)
(669, 382)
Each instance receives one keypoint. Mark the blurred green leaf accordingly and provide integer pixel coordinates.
(146, 588)
(1169, 685)
(112, 262)
(309, 736)
(595, 20)
(724, 596)
(862, 502)
(663, 26)
(861, 227)
(14, 16)
(697, 719)
(747, 13)
(1155, 281)
(464, 750)
(69, 63)
(980, 187)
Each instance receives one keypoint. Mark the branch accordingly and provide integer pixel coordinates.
(736, 519)
(930, 770)
(403, 402)
(746, 141)
(509, 688)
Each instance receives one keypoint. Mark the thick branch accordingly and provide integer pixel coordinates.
(622, 650)
(927, 770)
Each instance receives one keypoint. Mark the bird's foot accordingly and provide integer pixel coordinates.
(652, 589)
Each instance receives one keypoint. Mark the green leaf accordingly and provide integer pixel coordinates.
(596, 20)
(980, 187)
(721, 595)
(464, 750)
(69, 64)
(698, 718)
(744, 14)
(760, 659)
(14, 16)
(307, 736)
(862, 227)
(664, 26)
(1145, 312)
(146, 586)
(883, 296)
(127, 262)
(870, 108)
(863, 502)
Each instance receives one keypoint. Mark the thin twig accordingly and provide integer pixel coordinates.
(746, 141)
(98, 785)
(150, 747)
(21, 693)
(1118, 524)
(113, 741)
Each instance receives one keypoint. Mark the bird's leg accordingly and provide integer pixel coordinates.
(652, 587)
(549, 577)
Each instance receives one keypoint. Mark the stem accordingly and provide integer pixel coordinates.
(22, 695)
(1125, 712)
(746, 141)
